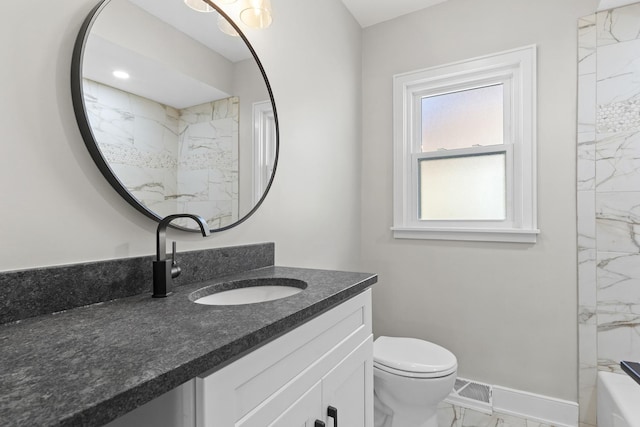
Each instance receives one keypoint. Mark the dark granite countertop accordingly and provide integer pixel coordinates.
(89, 365)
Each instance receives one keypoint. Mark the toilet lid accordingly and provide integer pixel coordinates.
(413, 357)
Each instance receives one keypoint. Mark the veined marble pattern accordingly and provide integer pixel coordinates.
(586, 102)
(588, 365)
(618, 25)
(619, 282)
(586, 224)
(587, 43)
(618, 339)
(586, 168)
(618, 222)
(608, 183)
(618, 76)
(208, 166)
(618, 160)
(173, 161)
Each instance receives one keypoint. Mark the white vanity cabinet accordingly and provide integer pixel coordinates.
(294, 379)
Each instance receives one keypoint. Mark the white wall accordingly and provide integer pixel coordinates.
(56, 208)
(506, 310)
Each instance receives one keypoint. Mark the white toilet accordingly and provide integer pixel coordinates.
(411, 377)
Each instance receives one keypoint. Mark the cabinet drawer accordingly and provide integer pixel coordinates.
(296, 360)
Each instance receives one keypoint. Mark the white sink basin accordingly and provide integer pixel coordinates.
(248, 291)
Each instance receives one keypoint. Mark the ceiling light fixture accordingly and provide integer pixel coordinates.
(226, 27)
(256, 13)
(199, 5)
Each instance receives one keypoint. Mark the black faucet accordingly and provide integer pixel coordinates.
(164, 271)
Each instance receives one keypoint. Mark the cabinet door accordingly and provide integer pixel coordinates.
(304, 412)
(349, 389)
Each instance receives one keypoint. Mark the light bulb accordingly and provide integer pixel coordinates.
(120, 74)
(256, 13)
(199, 5)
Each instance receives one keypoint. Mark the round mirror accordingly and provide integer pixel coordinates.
(175, 109)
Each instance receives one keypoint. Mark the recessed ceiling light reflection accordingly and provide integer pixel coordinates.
(120, 74)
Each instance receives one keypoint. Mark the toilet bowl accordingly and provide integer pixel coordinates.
(411, 377)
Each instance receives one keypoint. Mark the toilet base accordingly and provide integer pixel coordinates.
(384, 417)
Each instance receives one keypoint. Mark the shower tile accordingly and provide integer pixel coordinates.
(586, 203)
(618, 221)
(588, 361)
(587, 45)
(618, 25)
(586, 169)
(619, 282)
(587, 278)
(587, 330)
(587, 103)
(618, 162)
(588, 393)
(618, 338)
(618, 84)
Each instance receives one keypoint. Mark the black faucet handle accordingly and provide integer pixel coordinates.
(175, 268)
(173, 253)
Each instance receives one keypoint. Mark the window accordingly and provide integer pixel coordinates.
(464, 150)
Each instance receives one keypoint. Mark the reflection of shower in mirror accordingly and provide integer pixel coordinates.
(177, 136)
(264, 147)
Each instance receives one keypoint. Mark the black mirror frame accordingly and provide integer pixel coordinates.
(77, 96)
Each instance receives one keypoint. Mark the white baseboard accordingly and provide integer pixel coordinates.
(535, 407)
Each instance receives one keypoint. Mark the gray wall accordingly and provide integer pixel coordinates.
(58, 209)
(508, 311)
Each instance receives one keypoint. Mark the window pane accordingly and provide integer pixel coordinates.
(463, 119)
(463, 188)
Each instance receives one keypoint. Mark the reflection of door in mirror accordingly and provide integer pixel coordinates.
(264, 147)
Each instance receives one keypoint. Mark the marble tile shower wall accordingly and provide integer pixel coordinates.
(173, 160)
(608, 150)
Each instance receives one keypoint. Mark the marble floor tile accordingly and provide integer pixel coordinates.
(450, 415)
(478, 419)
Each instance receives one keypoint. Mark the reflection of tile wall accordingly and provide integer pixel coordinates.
(173, 161)
(208, 165)
(608, 150)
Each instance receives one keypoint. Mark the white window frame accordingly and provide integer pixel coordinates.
(516, 70)
(264, 147)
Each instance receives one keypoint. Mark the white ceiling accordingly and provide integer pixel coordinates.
(199, 26)
(152, 79)
(370, 12)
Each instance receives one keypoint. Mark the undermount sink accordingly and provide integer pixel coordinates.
(248, 291)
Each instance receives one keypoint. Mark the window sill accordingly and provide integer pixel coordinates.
(510, 235)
